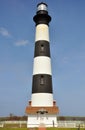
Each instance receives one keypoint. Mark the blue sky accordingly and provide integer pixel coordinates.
(67, 43)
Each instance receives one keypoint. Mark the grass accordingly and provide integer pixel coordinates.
(13, 129)
(46, 129)
(65, 129)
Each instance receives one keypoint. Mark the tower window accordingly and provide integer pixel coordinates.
(42, 47)
(42, 80)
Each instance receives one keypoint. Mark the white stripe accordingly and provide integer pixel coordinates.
(42, 32)
(42, 65)
(42, 99)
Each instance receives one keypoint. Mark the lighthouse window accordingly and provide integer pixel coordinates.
(42, 80)
(42, 47)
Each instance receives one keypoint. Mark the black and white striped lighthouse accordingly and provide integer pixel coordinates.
(42, 92)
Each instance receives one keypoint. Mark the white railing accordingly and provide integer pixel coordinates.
(19, 123)
(71, 124)
(15, 122)
(1, 124)
(61, 124)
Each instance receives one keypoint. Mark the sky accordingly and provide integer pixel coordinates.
(67, 45)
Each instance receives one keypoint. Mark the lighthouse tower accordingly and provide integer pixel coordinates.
(42, 108)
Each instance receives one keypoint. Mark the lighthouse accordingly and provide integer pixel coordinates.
(42, 108)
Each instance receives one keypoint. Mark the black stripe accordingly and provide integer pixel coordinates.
(42, 83)
(42, 48)
(42, 12)
(42, 19)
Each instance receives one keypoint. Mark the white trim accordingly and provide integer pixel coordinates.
(42, 32)
(42, 65)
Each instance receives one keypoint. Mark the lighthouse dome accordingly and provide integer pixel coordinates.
(42, 6)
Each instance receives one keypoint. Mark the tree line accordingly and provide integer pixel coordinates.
(73, 118)
(12, 117)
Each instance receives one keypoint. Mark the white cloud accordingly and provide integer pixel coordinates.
(21, 43)
(4, 32)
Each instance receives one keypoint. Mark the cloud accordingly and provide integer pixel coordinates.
(21, 43)
(4, 32)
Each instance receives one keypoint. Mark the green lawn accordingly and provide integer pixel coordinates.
(46, 129)
(13, 129)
